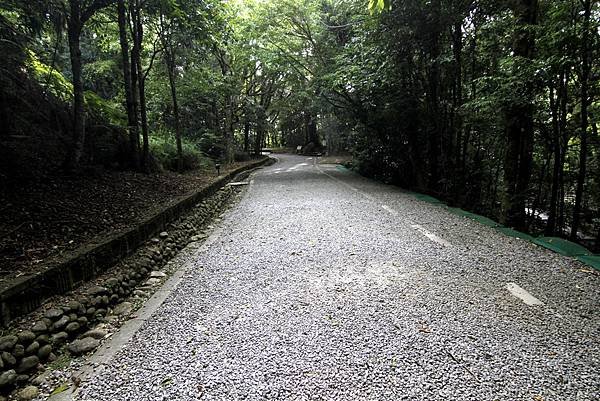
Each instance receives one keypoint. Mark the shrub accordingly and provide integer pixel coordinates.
(164, 149)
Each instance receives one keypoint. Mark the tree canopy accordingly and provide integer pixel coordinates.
(491, 105)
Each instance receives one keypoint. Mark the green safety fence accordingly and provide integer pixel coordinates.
(562, 246)
(427, 198)
(486, 221)
(590, 260)
(514, 233)
(559, 245)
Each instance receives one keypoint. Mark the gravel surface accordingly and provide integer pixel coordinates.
(318, 287)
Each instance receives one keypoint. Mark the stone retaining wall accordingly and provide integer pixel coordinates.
(24, 294)
(68, 323)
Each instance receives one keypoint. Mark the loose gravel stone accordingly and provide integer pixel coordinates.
(311, 289)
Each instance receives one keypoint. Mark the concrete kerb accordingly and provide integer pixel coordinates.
(24, 294)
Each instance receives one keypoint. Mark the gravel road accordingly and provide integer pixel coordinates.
(323, 285)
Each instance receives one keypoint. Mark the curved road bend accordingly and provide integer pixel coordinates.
(322, 285)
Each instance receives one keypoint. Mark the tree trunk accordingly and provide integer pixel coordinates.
(556, 149)
(131, 116)
(144, 116)
(259, 139)
(585, 101)
(139, 34)
(134, 11)
(74, 32)
(519, 122)
(246, 135)
(229, 151)
(170, 59)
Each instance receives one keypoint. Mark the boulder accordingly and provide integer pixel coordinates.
(83, 345)
(7, 378)
(124, 308)
(98, 334)
(44, 351)
(60, 323)
(59, 338)
(18, 351)
(39, 327)
(97, 290)
(26, 336)
(28, 393)
(8, 342)
(32, 348)
(28, 363)
(8, 358)
(54, 313)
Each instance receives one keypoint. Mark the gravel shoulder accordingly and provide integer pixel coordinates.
(322, 285)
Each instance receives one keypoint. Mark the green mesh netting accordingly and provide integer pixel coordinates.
(427, 198)
(514, 233)
(590, 260)
(562, 246)
(555, 244)
(481, 219)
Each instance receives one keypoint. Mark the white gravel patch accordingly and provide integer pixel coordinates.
(313, 291)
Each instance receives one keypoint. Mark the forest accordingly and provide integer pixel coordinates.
(489, 105)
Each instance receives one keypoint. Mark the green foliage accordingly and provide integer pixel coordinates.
(49, 78)
(163, 148)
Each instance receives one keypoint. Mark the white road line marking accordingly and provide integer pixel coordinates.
(431, 236)
(389, 209)
(522, 294)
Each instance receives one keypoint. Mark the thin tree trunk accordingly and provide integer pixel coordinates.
(142, 91)
(585, 101)
(552, 207)
(229, 151)
(131, 116)
(74, 32)
(246, 135)
(170, 59)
